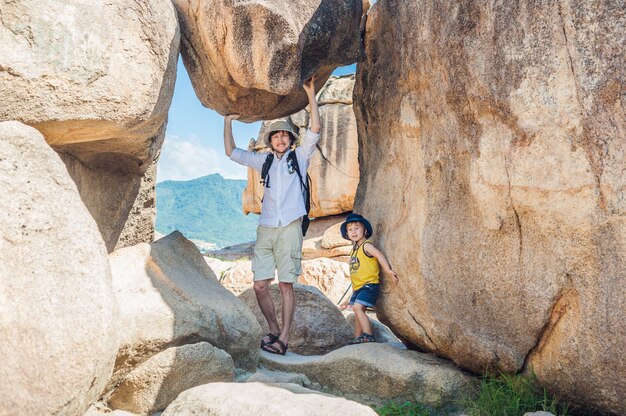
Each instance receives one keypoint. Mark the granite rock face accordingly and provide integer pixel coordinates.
(95, 78)
(334, 167)
(491, 144)
(169, 296)
(139, 225)
(251, 57)
(58, 316)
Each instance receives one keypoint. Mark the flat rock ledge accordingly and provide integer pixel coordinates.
(235, 399)
(376, 373)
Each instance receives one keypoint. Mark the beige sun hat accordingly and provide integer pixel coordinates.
(278, 125)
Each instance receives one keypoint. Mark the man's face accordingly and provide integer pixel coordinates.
(356, 231)
(280, 141)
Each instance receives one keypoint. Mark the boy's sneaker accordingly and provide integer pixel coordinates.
(363, 339)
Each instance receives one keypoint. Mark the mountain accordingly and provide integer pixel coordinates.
(206, 208)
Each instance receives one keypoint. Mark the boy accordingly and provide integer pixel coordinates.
(279, 234)
(364, 270)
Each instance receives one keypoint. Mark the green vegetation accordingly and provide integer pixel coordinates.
(507, 395)
(502, 395)
(404, 409)
(206, 208)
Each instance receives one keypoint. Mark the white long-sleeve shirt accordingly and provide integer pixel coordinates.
(282, 201)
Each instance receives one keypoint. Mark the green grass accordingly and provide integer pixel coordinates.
(502, 395)
(507, 395)
(404, 409)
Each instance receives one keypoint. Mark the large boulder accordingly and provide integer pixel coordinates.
(58, 316)
(251, 58)
(318, 326)
(97, 79)
(235, 399)
(492, 160)
(154, 384)
(375, 373)
(169, 296)
(334, 166)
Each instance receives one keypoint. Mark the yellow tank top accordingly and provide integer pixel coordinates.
(363, 268)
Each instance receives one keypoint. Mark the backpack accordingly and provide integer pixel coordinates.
(305, 187)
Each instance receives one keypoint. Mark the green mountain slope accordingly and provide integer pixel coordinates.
(206, 208)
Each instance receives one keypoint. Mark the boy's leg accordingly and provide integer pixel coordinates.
(358, 331)
(361, 316)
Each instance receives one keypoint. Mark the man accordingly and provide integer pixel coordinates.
(279, 234)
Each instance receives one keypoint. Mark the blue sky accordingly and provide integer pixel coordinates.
(194, 143)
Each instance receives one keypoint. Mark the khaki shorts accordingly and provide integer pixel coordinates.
(278, 249)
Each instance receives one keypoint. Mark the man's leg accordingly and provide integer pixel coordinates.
(262, 291)
(288, 256)
(288, 307)
(263, 265)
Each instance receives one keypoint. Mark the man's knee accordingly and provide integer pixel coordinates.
(285, 288)
(261, 286)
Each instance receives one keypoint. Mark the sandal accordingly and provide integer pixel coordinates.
(272, 338)
(273, 350)
(363, 339)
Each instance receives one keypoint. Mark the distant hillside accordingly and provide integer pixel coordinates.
(206, 208)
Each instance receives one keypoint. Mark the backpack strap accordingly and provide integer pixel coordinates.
(265, 170)
(306, 191)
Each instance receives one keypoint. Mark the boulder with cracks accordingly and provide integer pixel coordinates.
(496, 155)
(251, 58)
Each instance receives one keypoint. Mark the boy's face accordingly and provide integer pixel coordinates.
(356, 231)
(280, 141)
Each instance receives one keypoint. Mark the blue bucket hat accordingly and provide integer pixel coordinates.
(356, 218)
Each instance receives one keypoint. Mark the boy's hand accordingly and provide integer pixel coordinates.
(344, 305)
(232, 117)
(394, 276)
(309, 85)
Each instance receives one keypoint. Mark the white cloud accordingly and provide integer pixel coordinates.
(189, 158)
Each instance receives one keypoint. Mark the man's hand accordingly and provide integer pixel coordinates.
(229, 141)
(314, 118)
(309, 86)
